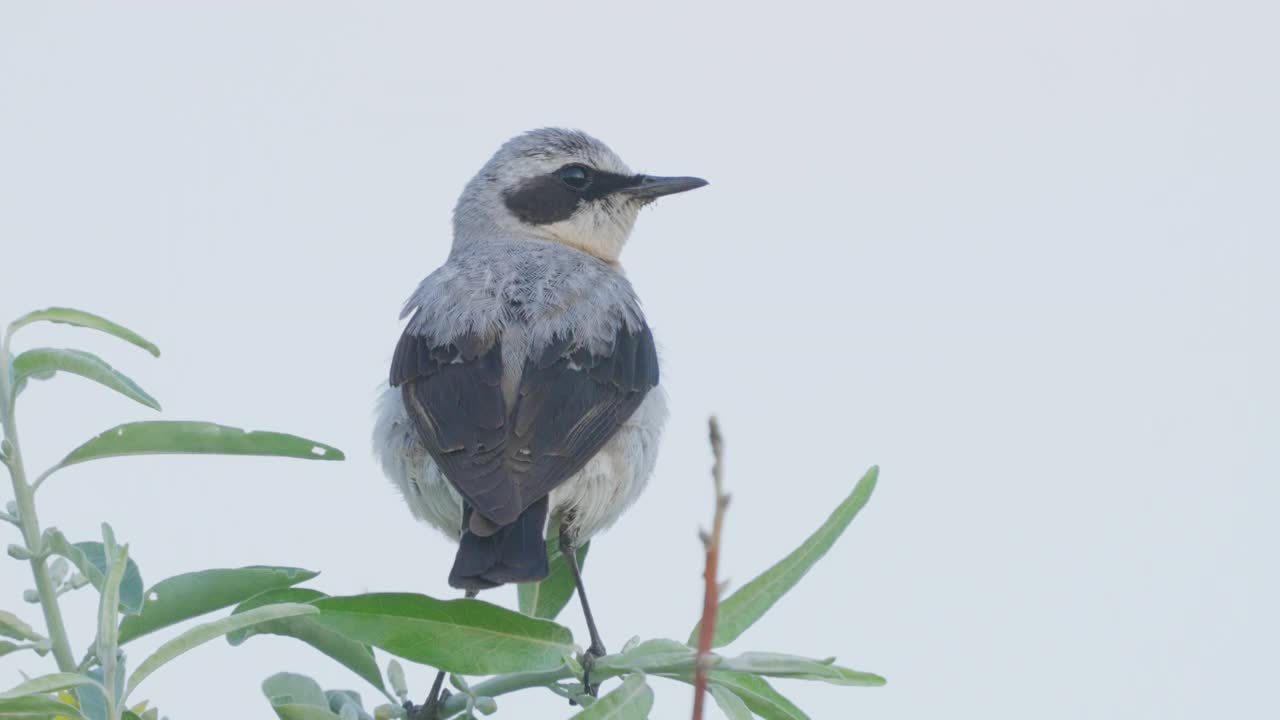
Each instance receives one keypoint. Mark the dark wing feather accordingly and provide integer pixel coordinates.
(453, 393)
(569, 403)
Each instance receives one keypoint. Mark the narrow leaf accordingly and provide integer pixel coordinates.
(355, 656)
(204, 633)
(759, 695)
(193, 594)
(799, 668)
(290, 711)
(160, 437)
(7, 647)
(42, 361)
(652, 656)
(49, 683)
(743, 608)
(80, 318)
(730, 704)
(12, 626)
(545, 599)
(631, 700)
(468, 637)
(108, 608)
(38, 707)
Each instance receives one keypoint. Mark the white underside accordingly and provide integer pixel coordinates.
(605, 487)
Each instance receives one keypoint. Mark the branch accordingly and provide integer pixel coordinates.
(711, 591)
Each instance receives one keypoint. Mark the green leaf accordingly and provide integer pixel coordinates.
(41, 362)
(545, 599)
(356, 656)
(289, 711)
(468, 637)
(751, 601)
(37, 707)
(339, 700)
(92, 701)
(799, 668)
(7, 647)
(160, 437)
(631, 700)
(90, 558)
(193, 594)
(12, 626)
(652, 656)
(204, 633)
(759, 695)
(49, 683)
(84, 319)
(285, 687)
(109, 603)
(731, 705)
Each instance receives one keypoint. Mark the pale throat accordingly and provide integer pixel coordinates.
(604, 240)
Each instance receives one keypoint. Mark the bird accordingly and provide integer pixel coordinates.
(524, 387)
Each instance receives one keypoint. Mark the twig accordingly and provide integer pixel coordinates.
(711, 592)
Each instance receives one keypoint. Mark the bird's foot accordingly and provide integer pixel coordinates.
(595, 652)
(430, 710)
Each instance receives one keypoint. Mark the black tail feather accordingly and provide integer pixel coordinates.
(516, 553)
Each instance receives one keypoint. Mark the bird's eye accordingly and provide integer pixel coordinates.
(575, 176)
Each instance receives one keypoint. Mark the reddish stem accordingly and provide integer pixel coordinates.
(711, 587)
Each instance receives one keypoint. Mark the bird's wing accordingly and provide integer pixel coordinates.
(453, 393)
(569, 403)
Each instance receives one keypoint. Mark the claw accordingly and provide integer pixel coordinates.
(589, 658)
(430, 710)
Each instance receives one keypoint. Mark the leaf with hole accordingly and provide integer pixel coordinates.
(750, 602)
(193, 594)
(169, 437)
(468, 637)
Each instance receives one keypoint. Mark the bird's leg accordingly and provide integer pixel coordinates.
(430, 710)
(569, 549)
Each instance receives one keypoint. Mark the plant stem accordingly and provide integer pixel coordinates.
(24, 495)
(711, 591)
(503, 684)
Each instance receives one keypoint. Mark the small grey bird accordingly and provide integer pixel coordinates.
(525, 384)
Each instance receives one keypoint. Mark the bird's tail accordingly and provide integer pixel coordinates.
(515, 553)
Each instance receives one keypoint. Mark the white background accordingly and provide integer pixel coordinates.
(1022, 255)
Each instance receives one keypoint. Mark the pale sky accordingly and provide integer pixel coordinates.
(1024, 256)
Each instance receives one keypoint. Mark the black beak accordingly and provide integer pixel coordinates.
(648, 187)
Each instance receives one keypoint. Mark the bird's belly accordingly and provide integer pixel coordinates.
(612, 480)
(596, 495)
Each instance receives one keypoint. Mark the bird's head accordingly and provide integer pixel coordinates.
(560, 185)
